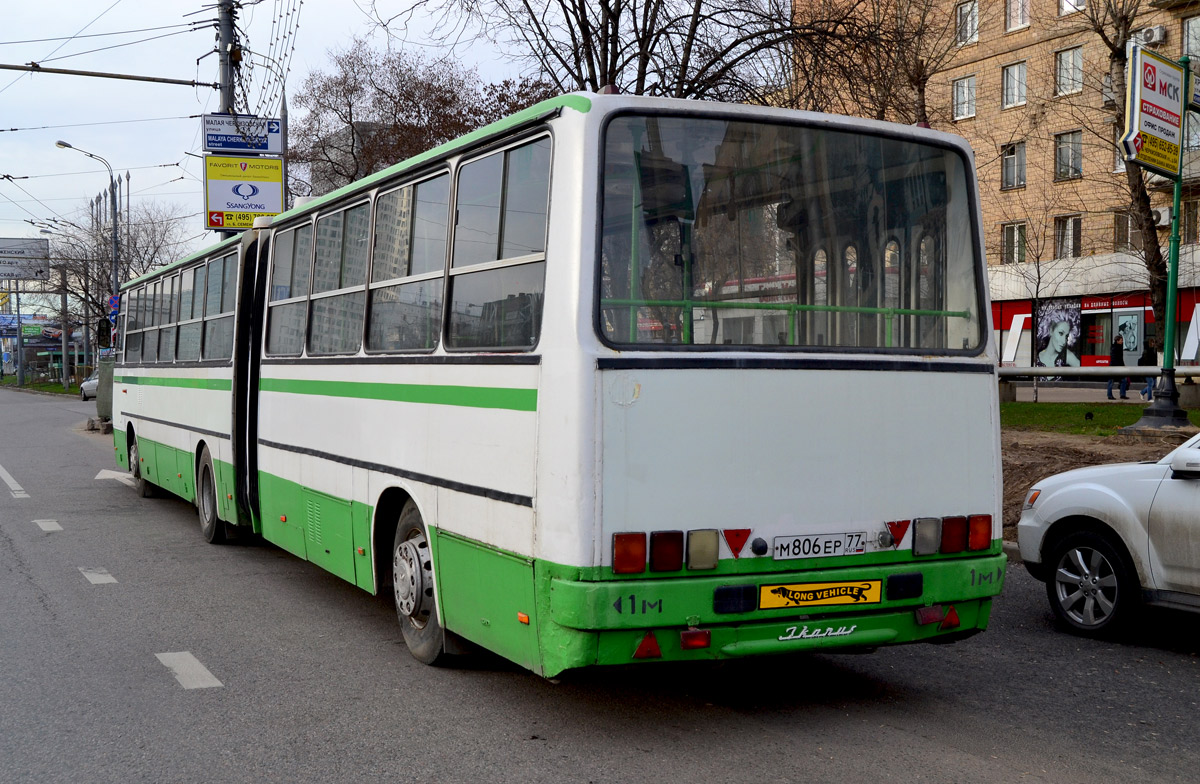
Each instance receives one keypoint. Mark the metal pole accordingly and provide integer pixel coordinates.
(20, 338)
(225, 52)
(1165, 410)
(65, 329)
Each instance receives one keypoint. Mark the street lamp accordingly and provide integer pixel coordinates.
(112, 198)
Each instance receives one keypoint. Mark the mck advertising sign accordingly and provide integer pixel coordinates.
(1153, 112)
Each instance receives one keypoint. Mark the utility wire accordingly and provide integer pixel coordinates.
(114, 46)
(105, 122)
(100, 35)
(68, 40)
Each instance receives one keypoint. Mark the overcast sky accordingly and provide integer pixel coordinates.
(149, 130)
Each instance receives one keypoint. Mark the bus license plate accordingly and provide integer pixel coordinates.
(819, 545)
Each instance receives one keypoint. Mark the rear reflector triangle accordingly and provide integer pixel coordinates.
(898, 529)
(648, 648)
(736, 539)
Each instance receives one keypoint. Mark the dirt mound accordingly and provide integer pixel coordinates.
(1030, 455)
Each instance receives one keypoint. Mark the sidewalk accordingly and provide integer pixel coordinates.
(1091, 393)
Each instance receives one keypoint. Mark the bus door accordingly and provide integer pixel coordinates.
(247, 344)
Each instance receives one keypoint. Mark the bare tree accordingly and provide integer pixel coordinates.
(715, 49)
(155, 235)
(374, 109)
(1113, 22)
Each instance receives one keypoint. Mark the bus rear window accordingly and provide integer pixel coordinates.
(737, 234)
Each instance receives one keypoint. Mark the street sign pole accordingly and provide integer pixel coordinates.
(20, 337)
(1165, 411)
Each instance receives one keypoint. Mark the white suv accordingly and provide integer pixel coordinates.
(1106, 538)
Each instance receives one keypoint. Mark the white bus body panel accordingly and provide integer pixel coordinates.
(827, 434)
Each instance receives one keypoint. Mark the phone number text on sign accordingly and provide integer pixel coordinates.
(233, 220)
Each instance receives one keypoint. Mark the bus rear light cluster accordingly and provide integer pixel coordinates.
(666, 551)
(949, 535)
(945, 616)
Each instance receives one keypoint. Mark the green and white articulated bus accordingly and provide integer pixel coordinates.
(616, 379)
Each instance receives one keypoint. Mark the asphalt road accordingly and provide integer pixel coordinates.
(315, 684)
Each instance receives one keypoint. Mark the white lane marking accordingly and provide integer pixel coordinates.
(48, 525)
(17, 490)
(120, 476)
(188, 670)
(96, 576)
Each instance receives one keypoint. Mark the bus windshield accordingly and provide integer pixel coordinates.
(729, 234)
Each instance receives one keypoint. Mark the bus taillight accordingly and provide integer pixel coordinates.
(629, 553)
(954, 534)
(950, 535)
(666, 551)
(980, 537)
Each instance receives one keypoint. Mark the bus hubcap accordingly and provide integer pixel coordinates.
(409, 578)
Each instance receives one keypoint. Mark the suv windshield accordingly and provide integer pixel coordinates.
(743, 234)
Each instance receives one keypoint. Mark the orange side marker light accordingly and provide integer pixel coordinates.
(523, 618)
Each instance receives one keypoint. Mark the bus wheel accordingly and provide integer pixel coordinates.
(206, 502)
(412, 582)
(144, 488)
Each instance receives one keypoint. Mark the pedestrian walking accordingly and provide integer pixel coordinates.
(1116, 358)
(1149, 358)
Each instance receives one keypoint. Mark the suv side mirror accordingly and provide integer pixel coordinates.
(1185, 464)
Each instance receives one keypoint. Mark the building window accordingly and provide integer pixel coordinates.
(1012, 248)
(1013, 90)
(1068, 155)
(1016, 14)
(1118, 149)
(1068, 71)
(1068, 231)
(1012, 165)
(1070, 6)
(1191, 223)
(1191, 35)
(966, 22)
(1126, 236)
(964, 98)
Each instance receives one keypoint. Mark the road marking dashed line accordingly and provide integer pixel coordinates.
(97, 576)
(16, 490)
(188, 670)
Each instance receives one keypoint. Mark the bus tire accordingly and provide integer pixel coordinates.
(211, 525)
(413, 588)
(144, 488)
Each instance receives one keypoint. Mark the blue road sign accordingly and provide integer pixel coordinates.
(242, 133)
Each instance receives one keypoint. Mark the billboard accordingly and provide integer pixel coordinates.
(1153, 112)
(23, 258)
(238, 190)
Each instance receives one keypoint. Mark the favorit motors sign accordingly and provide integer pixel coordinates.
(238, 190)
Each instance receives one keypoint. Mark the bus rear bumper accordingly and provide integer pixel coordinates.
(676, 620)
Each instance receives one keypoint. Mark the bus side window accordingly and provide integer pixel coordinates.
(410, 246)
(287, 313)
(339, 275)
(502, 204)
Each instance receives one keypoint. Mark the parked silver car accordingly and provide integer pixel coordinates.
(87, 388)
(1106, 538)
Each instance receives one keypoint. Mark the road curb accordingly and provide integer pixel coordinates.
(1013, 552)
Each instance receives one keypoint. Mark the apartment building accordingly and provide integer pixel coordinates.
(1029, 87)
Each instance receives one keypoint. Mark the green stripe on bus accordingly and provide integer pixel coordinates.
(434, 394)
(218, 384)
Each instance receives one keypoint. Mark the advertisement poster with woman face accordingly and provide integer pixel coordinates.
(1057, 343)
(1127, 328)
